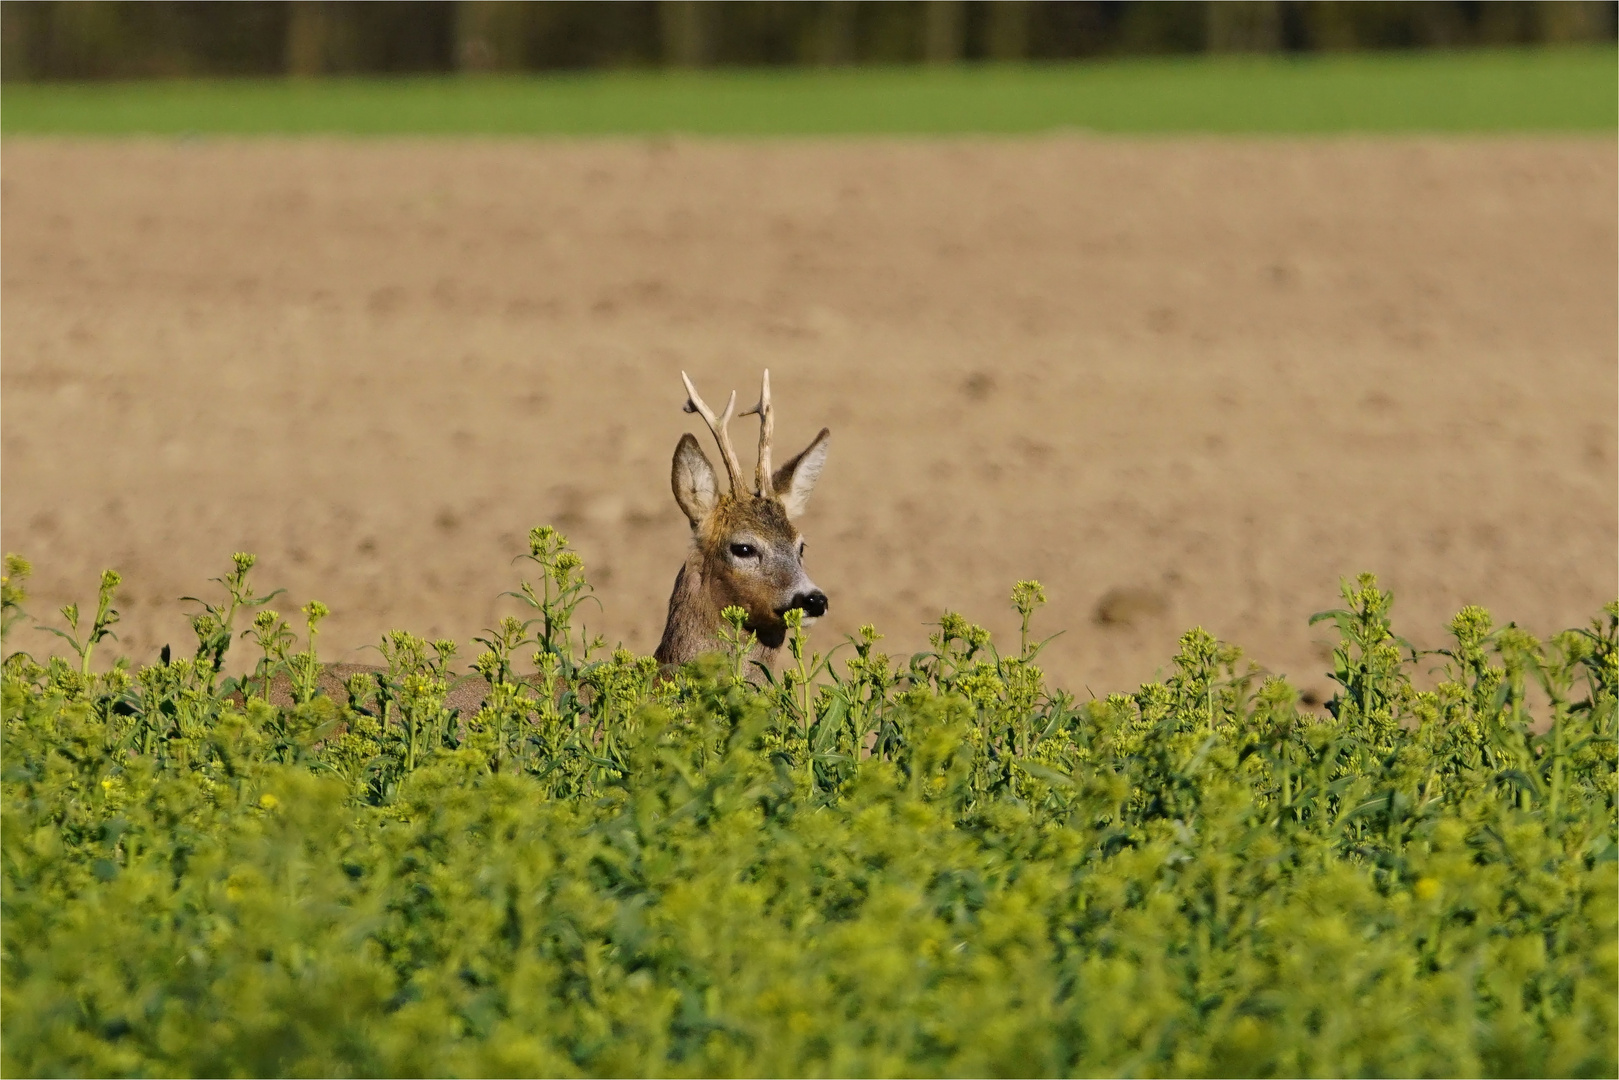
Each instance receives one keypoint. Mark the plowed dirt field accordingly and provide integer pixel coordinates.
(1179, 381)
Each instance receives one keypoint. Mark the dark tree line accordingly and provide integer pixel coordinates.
(53, 39)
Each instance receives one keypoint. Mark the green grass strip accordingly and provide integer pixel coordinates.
(1539, 90)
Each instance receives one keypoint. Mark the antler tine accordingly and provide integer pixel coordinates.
(767, 428)
(717, 425)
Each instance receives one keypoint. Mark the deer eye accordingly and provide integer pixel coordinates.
(744, 551)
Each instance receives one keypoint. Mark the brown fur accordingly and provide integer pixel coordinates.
(745, 553)
(710, 582)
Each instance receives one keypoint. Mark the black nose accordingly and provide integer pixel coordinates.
(812, 604)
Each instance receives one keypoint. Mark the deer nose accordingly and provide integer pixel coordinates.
(812, 604)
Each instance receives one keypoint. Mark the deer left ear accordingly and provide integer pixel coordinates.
(695, 485)
(795, 480)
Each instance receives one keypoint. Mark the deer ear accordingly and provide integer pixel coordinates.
(795, 480)
(696, 488)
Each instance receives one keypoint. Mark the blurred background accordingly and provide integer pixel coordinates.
(45, 39)
(1187, 310)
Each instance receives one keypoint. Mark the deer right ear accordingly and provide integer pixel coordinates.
(795, 480)
(697, 489)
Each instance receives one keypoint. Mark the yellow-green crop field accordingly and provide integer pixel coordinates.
(859, 865)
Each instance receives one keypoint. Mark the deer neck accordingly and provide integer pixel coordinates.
(694, 623)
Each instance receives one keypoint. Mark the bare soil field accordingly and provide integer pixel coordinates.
(1178, 381)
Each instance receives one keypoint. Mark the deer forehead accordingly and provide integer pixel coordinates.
(765, 519)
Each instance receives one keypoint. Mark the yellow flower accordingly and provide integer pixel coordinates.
(268, 801)
(1426, 888)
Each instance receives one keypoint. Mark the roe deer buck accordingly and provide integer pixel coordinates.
(745, 551)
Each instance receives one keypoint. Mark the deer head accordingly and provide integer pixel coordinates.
(746, 552)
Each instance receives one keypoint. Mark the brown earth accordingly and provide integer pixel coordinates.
(1180, 382)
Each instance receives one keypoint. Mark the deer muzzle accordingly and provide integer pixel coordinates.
(813, 604)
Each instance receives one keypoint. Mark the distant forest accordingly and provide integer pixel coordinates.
(133, 39)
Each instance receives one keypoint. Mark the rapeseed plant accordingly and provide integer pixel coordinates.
(856, 865)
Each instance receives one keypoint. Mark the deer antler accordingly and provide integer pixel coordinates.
(767, 428)
(717, 425)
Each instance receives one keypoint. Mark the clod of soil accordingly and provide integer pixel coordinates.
(1129, 607)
